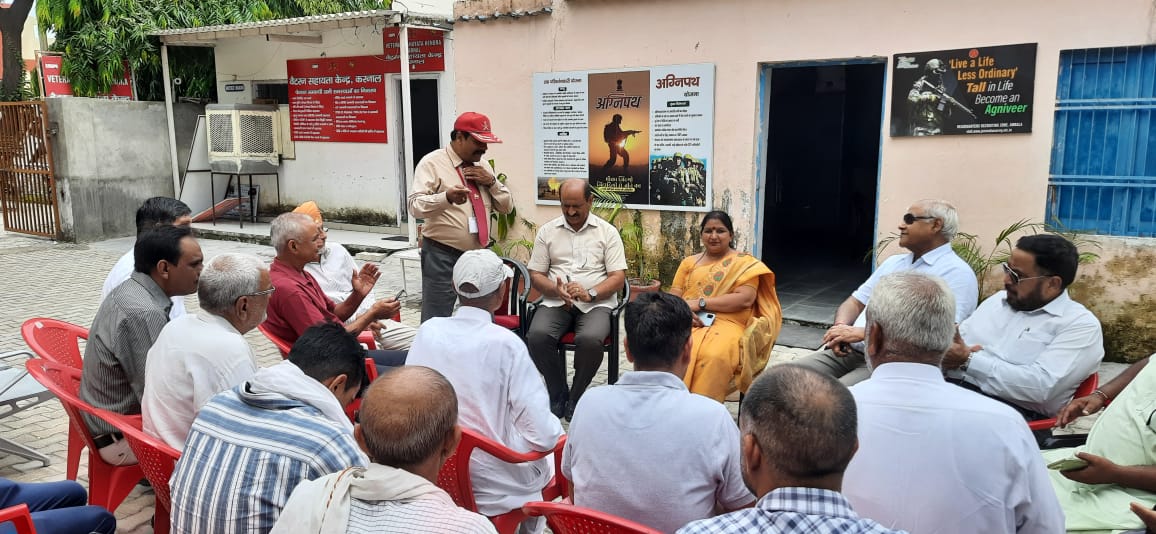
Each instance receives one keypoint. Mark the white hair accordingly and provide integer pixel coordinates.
(226, 278)
(916, 312)
(945, 212)
(288, 226)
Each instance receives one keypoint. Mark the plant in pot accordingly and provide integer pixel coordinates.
(641, 272)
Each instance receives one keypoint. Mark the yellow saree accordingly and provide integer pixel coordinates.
(727, 355)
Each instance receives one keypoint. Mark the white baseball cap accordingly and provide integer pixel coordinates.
(481, 268)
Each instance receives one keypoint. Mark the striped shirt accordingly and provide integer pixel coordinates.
(789, 510)
(125, 327)
(244, 455)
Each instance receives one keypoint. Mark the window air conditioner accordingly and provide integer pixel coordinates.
(243, 138)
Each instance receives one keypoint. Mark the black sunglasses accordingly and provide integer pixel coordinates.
(909, 218)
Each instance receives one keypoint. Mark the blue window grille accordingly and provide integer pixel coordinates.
(1103, 168)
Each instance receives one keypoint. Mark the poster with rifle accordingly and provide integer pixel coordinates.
(967, 91)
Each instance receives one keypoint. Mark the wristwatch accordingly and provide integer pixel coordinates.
(593, 294)
(702, 303)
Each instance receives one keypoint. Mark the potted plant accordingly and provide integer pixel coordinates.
(641, 273)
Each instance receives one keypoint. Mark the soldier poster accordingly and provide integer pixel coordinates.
(646, 134)
(962, 92)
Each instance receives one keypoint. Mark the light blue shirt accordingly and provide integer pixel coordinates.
(941, 262)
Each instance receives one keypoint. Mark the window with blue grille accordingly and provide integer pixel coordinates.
(1103, 168)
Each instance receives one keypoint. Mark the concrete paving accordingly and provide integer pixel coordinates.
(42, 278)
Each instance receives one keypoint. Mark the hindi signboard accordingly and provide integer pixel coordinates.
(338, 99)
(427, 50)
(964, 92)
(57, 85)
(646, 134)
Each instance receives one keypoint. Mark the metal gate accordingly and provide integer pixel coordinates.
(27, 176)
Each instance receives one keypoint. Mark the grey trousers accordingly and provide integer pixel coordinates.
(437, 279)
(850, 369)
(590, 329)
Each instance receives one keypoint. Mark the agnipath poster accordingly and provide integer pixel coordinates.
(337, 99)
(645, 133)
(968, 91)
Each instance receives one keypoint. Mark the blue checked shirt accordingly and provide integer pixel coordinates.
(243, 457)
(786, 510)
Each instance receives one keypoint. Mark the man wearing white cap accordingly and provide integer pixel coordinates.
(500, 394)
(454, 191)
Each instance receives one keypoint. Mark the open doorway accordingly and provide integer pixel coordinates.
(425, 115)
(822, 173)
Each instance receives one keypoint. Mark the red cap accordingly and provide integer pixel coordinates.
(477, 125)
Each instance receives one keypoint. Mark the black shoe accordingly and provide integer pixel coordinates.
(569, 411)
(558, 408)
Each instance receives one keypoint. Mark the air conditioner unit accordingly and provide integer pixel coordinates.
(243, 138)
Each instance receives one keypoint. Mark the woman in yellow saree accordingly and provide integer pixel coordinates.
(739, 291)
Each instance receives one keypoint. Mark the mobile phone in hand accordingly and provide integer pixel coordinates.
(707, 318)
(1068, 464)
(400, 295)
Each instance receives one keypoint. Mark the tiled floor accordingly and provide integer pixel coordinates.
(811, 294)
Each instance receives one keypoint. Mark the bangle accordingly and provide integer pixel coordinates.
(1102, 394)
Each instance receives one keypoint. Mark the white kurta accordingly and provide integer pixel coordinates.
(500, 395)
(194, 358)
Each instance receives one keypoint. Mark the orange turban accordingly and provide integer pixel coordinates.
(310, 208)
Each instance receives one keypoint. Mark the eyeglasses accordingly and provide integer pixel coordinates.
(1016, 278)
(909, 218)
(259, 293)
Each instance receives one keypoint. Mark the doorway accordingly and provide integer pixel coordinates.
(425, 113)
(824, 126)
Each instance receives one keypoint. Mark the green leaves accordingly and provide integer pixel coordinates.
(98, 36)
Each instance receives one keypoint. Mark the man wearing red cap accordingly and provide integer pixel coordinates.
(454, 191)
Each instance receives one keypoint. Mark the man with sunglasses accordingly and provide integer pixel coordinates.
(926, 232)
(201, 354)
(1030, 345)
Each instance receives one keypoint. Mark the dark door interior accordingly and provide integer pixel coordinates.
(822, 174)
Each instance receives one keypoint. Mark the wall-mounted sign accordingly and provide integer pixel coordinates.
(647, 134)
(966, 91)
(337, 99)
(234, 87)
(427, 50)
(57, 85)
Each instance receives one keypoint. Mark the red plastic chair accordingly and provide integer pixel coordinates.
(570, 519)
(157, 461)
(108, 484)
(513, 310)
(365, 338)
(59, 341)
(454, 476)
(19, 517)
(1086, 388)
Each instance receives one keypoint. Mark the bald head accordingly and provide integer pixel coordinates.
(803, 421)
(576, 186)
(407, 415)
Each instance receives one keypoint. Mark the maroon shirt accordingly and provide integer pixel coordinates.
(297, 304)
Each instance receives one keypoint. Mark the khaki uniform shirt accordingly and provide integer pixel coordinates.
(586, 256)
(446, 222)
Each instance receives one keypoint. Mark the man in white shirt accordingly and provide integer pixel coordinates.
(199, 355)
(927, 230)
(397, 492)
(578, 265)
(646, 448)
(334, 274)
(1030, 345)
(934, 457)
(154, 212)
(500, 395)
